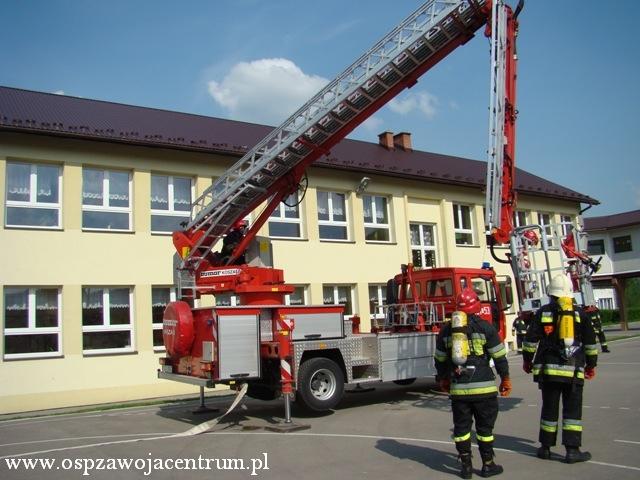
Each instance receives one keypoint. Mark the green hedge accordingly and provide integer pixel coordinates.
(613, 316)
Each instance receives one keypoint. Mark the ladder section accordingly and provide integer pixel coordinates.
(392, 64)
(497, 107)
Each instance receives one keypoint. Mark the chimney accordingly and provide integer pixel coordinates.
(402, 140)
(385, 139)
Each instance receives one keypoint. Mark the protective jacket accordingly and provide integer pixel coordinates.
(519, 327)
(475, 379)
(544, 348)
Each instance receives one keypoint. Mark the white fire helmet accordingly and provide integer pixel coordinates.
(560, 286)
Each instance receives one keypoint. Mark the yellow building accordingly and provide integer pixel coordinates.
(92, 191)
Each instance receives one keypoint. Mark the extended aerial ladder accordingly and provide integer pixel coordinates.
(531, 246)
(272, 170)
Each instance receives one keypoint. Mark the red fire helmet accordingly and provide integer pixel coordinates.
(468, 301)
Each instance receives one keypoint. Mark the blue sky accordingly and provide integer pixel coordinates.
(258, 60)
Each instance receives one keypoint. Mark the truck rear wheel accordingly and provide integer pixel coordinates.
(320, 384)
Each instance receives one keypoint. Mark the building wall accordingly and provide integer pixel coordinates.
(70, 259)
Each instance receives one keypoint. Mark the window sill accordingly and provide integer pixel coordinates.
(468, 246)
(293, 239)
(374, 242)
(108, 352)
(106, 230)
(326, 240)
(12, 357)
(33, 227)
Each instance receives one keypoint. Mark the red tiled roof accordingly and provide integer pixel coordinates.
(609, 222)
(59, 115)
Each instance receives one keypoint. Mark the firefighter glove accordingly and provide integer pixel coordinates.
(527, 366)
(505, 387)
(445, 384)
(590, 373)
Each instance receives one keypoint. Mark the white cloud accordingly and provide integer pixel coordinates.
(264, 91)
(423, 102)
(372, 123)
(59, 92)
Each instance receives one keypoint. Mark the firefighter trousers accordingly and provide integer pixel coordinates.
(485, 413)
(571, 396)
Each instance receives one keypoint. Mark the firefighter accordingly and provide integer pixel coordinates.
(232, 240)
(560, 349)
(596, 321)
(519, 330)
(463, 349)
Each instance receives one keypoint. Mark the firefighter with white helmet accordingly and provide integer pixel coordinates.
(560, 349)
(463, 349)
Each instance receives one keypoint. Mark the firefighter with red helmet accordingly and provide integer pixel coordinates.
(560, 349)
(464, 348)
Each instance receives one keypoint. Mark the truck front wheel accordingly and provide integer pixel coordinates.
(320, 384)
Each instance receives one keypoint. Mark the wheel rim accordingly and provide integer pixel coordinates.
(323, 384)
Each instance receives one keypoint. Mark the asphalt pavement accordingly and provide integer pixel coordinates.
(394, 431)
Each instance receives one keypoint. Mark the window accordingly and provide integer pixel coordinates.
(544, 220)
(107, 324)
(519, 218)
(32, 322)
(462, 224)
(33, 195)
(605, 303)
(285, 220)
(566, 223)
(160, 298)
(423, 245)
(332, 216)
(439, 288)
(377, 298)
(622, 244)
(226, 300)
(297, 297)
(170, 202)
(106, 199)
(376, 219)
(339, 295)
(595, 247)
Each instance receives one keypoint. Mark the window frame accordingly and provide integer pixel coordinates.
(565, 222)
(616, 243)
(457, 216)
(31, 328)
(171, 211)
(377, 312)
(422, 248)
(517, 220)
(331, 222)
(279, 216)
(374, 224)
(600, 243)
(336, 297)
(548, 228)
(33, 202)
(305, 295)
(155, 326)
(107, 327)
(105, 207)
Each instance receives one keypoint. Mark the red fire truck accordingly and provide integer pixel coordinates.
(311, 352)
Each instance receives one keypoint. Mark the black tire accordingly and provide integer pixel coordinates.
(320, 385)
(404, 381)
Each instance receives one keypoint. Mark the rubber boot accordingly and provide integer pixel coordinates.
(574, 455)
(466, 468)
(489, 467)
(605, 349)
(544, 452)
